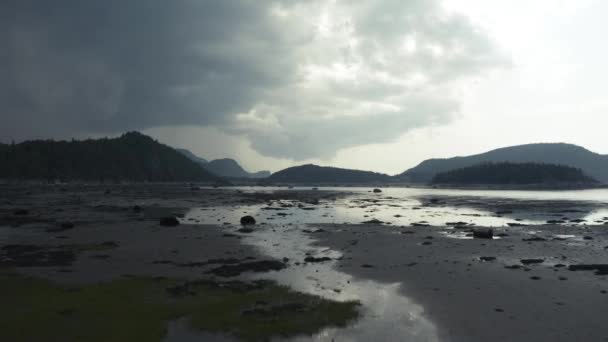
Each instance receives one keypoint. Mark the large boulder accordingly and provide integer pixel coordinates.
(247, 220)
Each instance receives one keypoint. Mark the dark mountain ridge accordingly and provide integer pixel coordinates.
(593, 164)
(130, 157)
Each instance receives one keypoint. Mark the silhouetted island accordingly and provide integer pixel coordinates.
(314, 174)
(592, 164)
(130, 157)
(515, 174)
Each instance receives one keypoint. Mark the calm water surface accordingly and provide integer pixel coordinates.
(405, 206)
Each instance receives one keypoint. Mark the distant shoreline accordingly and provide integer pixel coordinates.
(522, 187)
(497, 187)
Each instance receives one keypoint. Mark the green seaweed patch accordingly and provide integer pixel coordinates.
(138, 309)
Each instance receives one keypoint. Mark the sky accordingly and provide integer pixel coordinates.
(376, 85)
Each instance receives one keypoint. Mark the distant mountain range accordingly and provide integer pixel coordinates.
(130, 157)
(192, 156)
(226, 167)
(592, 164)
(313, 174)
(137, 157)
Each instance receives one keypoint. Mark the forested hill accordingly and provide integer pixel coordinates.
(593, 164)
(131, 157)
(514, 174)
(313, 174)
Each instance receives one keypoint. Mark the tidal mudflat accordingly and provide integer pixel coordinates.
(343, 264)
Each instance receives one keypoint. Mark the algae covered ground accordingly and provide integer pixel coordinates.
(139, 308)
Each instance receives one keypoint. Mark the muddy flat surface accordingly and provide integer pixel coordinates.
(505, 289)
(416, 268)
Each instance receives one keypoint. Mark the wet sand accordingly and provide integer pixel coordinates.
(126, 218)
(471, 296)
(515, 288)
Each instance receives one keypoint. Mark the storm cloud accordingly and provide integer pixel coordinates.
(299, 79)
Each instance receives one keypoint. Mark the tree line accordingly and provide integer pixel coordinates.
(130, 157)
(513, 173)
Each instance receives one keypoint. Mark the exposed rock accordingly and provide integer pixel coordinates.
(313, 259)
(514, 267)
(313, 231)
(377, 191)
(373, 221)
(457, 224)
(254, 266)
(220, 261)
(247, 220)
(483, 233)
(600, 269)
(170, 221)
(535, 239)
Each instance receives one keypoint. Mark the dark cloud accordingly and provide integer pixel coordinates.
(113, 65)
(300, 79)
